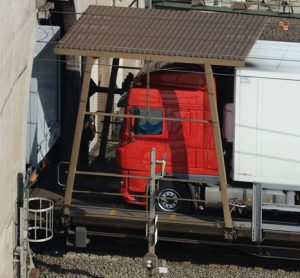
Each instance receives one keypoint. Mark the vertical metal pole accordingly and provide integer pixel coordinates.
(218, 144)
(77, 135)
(151, 245)
(148, 89)
(23, 230)
(108, 108)
(257, 213)
(150, 259)
(46, 224)
(22, 255)
(25, 220)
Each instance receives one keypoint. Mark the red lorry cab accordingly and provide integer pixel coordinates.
(189, 146)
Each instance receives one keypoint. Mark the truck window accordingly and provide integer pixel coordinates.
(147, 126)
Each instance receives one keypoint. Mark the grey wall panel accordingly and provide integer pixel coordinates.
(44, 121)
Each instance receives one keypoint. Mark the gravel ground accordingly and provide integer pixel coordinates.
(271, 31)
(89, 265)
(123, 258)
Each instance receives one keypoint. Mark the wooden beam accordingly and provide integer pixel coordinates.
(218, 144)
(122, 115)
(77, 134)
(108, 109)
(94, 88)
(149, 57)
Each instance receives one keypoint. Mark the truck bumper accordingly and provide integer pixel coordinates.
(135, 198)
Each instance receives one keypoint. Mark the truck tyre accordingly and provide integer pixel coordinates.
(169, 195)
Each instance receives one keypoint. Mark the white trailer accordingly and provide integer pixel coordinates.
(263, 124)
(267, 116)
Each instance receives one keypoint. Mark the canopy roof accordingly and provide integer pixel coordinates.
(163, 35)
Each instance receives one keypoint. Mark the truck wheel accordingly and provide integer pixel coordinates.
(169, 195)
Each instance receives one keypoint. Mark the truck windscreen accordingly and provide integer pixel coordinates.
(147, 126)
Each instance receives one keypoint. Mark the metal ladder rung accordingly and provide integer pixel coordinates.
(281, 207)
(258, 206)
(281, 228)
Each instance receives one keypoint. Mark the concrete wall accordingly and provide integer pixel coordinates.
(17, 39)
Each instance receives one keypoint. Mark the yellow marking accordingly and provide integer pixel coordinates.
(113, 212)
(33, 177)
(173, 216)
(271, 201)
(163, 167)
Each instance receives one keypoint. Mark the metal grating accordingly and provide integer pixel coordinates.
(162, 35)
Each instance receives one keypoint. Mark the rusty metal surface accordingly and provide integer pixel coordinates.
(173, 33)
(179, 223)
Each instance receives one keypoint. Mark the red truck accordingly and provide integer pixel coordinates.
(175, 92)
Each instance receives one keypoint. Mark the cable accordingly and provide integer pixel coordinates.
(252, 57)
(170, 10)
(192, 54)
(174, 70)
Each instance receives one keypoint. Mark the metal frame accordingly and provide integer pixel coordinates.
(150, 259)
(161, 58)
(137, 55)
(257, 213)
(189, 225)
(43, 219)
(223, 9)
(77, 135)
(119, 115)
(257, 209)
(22, 251)
(79, 125)
(218, 144)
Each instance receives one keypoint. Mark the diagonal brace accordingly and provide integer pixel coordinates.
(77, 135)
(218, 145)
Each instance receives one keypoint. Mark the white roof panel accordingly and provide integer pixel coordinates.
(274, 58)
(45, 34)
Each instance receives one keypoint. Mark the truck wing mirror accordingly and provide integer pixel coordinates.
(131, 136)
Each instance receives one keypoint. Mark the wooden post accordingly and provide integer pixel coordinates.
(218, 144)
(77, 134)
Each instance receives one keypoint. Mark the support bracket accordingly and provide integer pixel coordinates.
(257, 213)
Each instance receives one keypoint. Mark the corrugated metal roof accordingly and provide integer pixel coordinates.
(162, 35)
